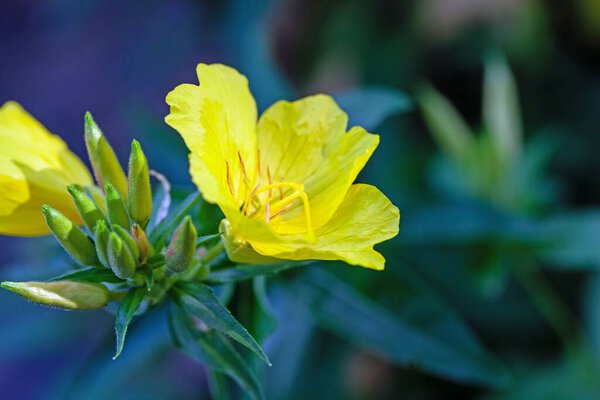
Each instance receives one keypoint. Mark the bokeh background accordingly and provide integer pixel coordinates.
(490, 291)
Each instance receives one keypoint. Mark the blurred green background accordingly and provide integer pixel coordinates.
(488, 111)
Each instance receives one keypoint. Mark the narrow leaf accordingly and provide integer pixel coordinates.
(125, 313)
(243, 272)
(202, 240)
(93, 275)
(447, 126)
(501, 108)
(212, 348)
(369, 107)
(444, 347)
(200, 301)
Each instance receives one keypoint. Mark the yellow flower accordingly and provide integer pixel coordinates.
(35, 169)
(284, 183)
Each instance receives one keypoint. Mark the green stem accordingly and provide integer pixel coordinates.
(551, 306)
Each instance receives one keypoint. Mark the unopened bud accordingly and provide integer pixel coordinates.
(70, 237)
(101, 233)
(120, 258)
(180, 251)
(102, 157)
(143, 245)
(117, 213)
(139, 194)
(62, 294)
(87, 209)
(128, 240)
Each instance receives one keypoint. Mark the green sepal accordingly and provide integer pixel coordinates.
(102, 157)
(139, 193)
(120, 259)
(101, 234)
(70, 237)
(182, 246)
(128, 240)
(117, 213)
(87, 209)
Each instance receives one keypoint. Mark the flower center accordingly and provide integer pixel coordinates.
(269, 199)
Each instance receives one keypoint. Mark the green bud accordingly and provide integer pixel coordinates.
(139, 194)
(120, 259)
(117, 213)
(143, 244)
(104, 161)
(70, 237)
(87, 209)
(62, 294)
(180, 251)
(128, 240)
(101, 233)
(97, 195)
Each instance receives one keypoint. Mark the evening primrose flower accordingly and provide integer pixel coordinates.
(284, 184)
(35, 169)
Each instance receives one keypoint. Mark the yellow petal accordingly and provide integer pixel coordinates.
(305, 142)
(217, 121)
(365, 217)
(35, 169)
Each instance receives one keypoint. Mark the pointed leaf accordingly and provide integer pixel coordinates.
(125, 313)
(212, 348)
(369, 107)
(443, 347)
(94, 275)
(243, 272)
(200, 301)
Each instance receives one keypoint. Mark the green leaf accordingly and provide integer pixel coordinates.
(94, 275)
(243, 272)
(160, 234)
(202, 240)
(369, 107)
(212, 348)
(446, 125)
(461, 223)
(200, 301)
(130, 304)
(418, 337)
(572, 240)
(501, 113)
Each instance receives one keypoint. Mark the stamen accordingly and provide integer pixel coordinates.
(243, 168)
(229, 178)
(284, 209)
(298, 193)
(249, 199)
